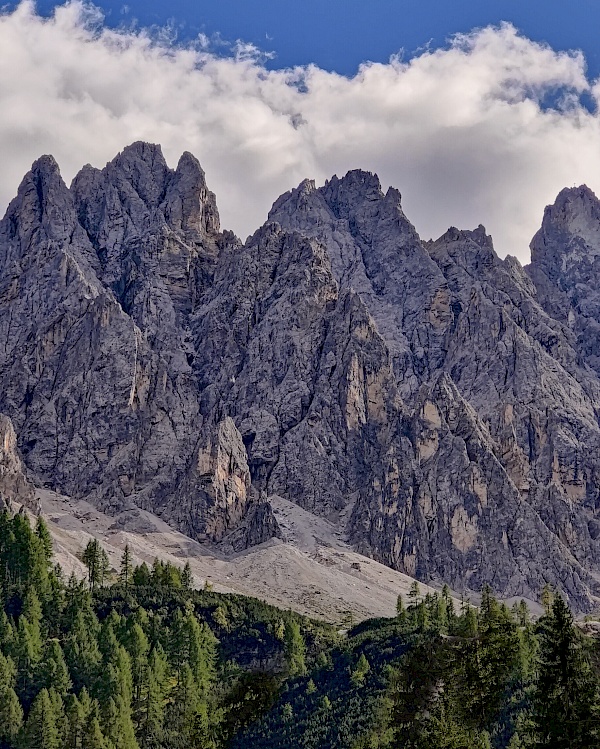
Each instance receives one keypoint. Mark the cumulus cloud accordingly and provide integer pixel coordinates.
(466, 133)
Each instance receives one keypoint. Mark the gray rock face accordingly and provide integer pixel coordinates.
(377, 252)
(452, 312)
(96, 285)
(14, 485)
(436, 402)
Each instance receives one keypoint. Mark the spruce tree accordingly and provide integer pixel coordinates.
(77, 715)
(138, 647)
(115, 686)
(92, 737)
(81, 652)
(360, 671)
(27, 651)
(566, 700)
(7, 632)
(399, 606)
(95, 559)
(151, 723)
(43, 534)
(11, 714)
(141, 575)
(183, 708)
(54, 673)
(40, 730)
(414, 593)
(60, 717)
(295, 649)
(187, 579)
(126, 571)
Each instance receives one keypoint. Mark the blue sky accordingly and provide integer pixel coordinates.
(340, 34)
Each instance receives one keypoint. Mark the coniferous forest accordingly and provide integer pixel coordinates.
(136, 657)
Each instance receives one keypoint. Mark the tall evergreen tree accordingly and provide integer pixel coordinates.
(187, 579)
(81, 650)
(11, 713)
(43, 534)
(153, 711)
(141, 575)
(54, 673)
(567, 695)
(126, 571)
(183, 708)
(93, 738)
(40, 730)
(295, 649)
(95, 559)
(27, 651)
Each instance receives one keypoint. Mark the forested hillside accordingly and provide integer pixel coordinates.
(137, 658)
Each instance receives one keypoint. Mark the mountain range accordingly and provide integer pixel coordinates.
(438, 404)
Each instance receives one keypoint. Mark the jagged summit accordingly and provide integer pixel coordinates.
(570, 232)
(437, 403)
(45, 166)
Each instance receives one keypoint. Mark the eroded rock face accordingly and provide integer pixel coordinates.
(451, 309)
(438, 403)
(376, 251)
(97, 284)
(14, 484)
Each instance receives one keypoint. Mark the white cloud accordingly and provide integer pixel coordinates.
(460, 131)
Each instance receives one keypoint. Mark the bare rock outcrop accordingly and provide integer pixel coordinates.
(14, 484)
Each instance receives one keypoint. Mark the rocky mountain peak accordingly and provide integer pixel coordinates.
(43, 206)
(189, 205)
(472, 250)
(45, 167)
(565, 267)
(345, 195)
(570, 232)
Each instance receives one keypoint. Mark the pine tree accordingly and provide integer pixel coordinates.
(567, 694)
(42, 532)
(60, 718)
(11, 714)
(187, 579)
(126, 571)
(220, 618)
(40, 731)
(25, 561)
(183, 708)
(399, 606)
(7, 632)
(54, 673)
(32, 611)
(81, 650)
(77, 712)
(295, 649)
(547, 598)
(194, 644)
(204, 730)
(27, 650)
(138, 647)
(95, 559)
(151, 724)
(141, 575)
(414, 593)
(118, 724)
(360, 671)
(93, 738)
